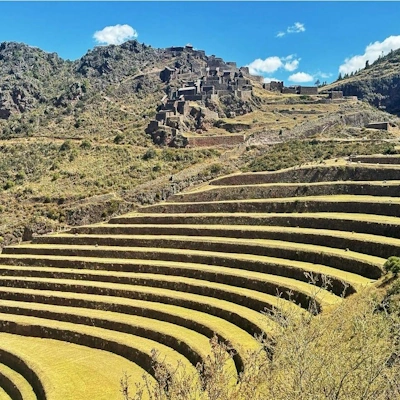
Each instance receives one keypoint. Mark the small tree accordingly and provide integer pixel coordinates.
(392, 265)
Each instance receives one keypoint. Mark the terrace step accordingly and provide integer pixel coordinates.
(154, 245)
(190, 263)
(281, 190)
(133, 348)
(4, 395)
(362, 223)
(320, 173)
(301, 292)
(248, 298)
(15, 385)
(201, 322)
(69, 371)
(379, 246)
(247, 319)
(29, 380)
(388, 206)
(190, 344)
(377, 159)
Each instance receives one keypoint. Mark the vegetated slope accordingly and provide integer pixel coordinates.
(43, 95)
(111, 90)
(379, 83)
(73, 148)
(207, 261)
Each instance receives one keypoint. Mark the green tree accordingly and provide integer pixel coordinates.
(392, 265)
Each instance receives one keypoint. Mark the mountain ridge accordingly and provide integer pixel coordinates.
(378, 83)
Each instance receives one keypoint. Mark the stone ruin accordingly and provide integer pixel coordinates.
(333, 95)
(278, 86)
(193, 85)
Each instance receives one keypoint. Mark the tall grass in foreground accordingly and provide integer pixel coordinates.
(350, 352)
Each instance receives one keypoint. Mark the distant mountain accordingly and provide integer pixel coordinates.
(108, 91)
(379, 83)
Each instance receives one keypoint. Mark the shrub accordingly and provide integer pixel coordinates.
(392, 265)
(8, 185)
(66, 146)
(150, 153)
(119, 139)
(85, 145)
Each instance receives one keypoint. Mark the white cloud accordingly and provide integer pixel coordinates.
(116, 34)
(292, 65)
(301, 77)
(297, 27)
(372, 52)
(272, 64)
(289, 57)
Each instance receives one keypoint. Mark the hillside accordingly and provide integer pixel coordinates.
(73, 147)
(379, 84)
(242, 255)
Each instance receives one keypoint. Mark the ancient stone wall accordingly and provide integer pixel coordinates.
(335, 94)
(307, 90)
(276, 86)
(289, 90)
(208, 141)
(380, 125)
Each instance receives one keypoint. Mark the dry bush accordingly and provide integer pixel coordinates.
(350, 352)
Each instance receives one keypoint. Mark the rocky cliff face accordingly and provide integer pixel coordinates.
(28, 77)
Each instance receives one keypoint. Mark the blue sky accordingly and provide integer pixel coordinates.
(290, 41)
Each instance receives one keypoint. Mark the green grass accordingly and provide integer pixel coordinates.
(131, 347)
(201, 322)
(69, 371)
(291, 234)
(134, 217)
(285, 189)
(222, 279)
(16, 385)
(244, 317)
(169, 257)
(192, 345)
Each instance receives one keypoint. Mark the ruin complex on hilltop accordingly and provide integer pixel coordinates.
(197, 87)
(193, 86)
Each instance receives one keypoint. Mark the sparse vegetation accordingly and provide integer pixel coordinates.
(350, 352)
(300, 152)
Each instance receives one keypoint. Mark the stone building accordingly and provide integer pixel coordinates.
(335, 94)
(380, 125)
(308, 90)
(195, 78)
